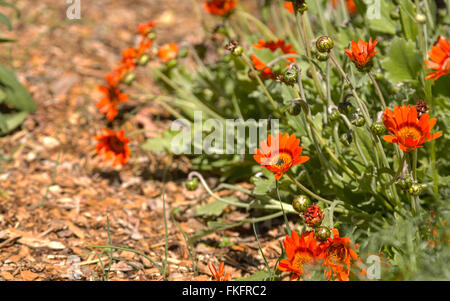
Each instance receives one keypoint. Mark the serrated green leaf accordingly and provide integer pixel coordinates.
(403, 61)
(212, 209)
(263, 186)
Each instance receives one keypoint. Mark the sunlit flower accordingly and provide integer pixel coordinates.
(361, 54)
(168, 52)
(408, 131)
(338, 255)
(351, 6)
(278, 154)
(113, 146)
(219, 275)
(259, 65)
(108, 105)
(273, 46)
(300, 251)
(439, 59)
(220, 7)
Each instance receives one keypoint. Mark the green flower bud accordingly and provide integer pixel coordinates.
(378, 128)
(295, 109)
(143, 59)
(172, 63)
(290, 76)
(301, 203)
(416, 189)
(129, 79)
(324, 44)
(359, 121)
(309, 73)
(183, 52)
(191, 184)
(323, 57)
(237, 51)
(151, 35)
(322, 233)
(334, 115)
(346, 139)
(345, 107)
(421, 19)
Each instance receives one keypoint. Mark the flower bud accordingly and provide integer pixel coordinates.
(191, 184)
(290, 76)
(324, 44)
(334, 115)
(345, 107)
(415, 189)
(346, 139)
(295, 108)
(237, 51)
(172, 63)
(404, 183)
(323, 57)
(378, 128)
(313, 216)
(322, 233)
(421, 19)
(129, 79)
(359, 121)
(301, 203)
(143, 59)
(151, 35)
(183, 52)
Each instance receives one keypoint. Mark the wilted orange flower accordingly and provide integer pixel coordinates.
(278, 154)
(439, 59)
(220, 7)
(113, 146)
(361, 54)
(289, 6)
(273, 46)
(259, 65)
(145, 28)
(351, 6)
(219, 275)
(408, 131)
(108, 105)
(168, 52)
(338, 256)
(300, 251)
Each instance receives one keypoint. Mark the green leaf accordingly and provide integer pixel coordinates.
(212, 209)
(409, 26)
(11, 5)
(383, 22)
(403, 61)
(263, 186)
(4, 19)
(258, 276)
(9, 122)
(17, 95)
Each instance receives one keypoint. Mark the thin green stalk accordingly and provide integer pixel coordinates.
(286, 221)
(306, 190)
(261, 250)
(377, 88)
(166, 230)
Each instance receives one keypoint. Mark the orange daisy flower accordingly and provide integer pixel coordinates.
(145, 28)
(113, 146)
(338, 256)
(289, 6)
(219, 275)
(408, 131)
(220, 7)
(108, 105)
(273, 46)
(168, 52)
(361, 54)
(439, 59)
(278, 154)
(259, 65)
(351, 6)
(300, 251)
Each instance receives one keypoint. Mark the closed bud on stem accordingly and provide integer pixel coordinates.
(345, 107)
(192, 184)
(183, 52)
(301, 203)
(143, 59)
(359, 121)
(295, 108)
(129, 79)
(172, 63)
(151, 35)
(378, 128)
(421, 19)
(237, 51)
(404, 183)
(334, 115)
(322, 233)
(290, 76)
(415, 189)
(324, 44)
(323, 57)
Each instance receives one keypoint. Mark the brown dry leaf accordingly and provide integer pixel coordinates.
(29, 276)
(77, 231)
(7, 276)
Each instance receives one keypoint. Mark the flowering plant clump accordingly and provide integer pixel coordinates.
(351, 162)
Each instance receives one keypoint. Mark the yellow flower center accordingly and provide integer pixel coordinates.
(299, 260)
(410, 132)
(281, 160)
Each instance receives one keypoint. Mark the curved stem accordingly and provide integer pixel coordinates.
(377, 88)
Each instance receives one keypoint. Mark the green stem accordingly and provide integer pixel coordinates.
(377, 88)
(286, 221)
